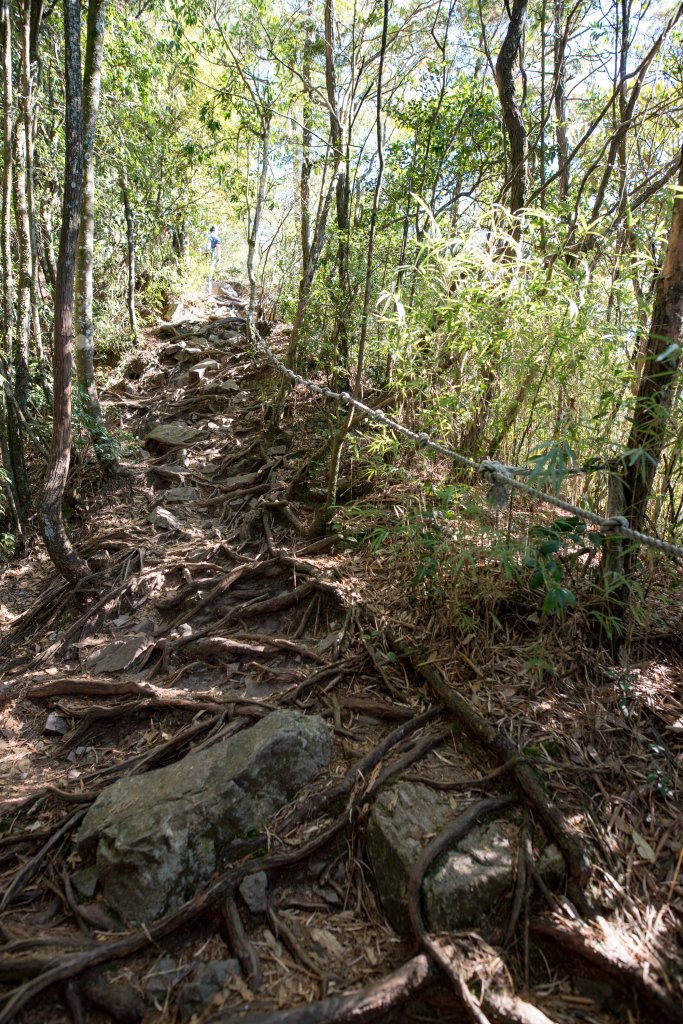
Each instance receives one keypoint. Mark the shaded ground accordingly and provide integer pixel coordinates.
(208, 607)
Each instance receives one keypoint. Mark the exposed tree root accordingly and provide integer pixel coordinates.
(440, 951)
(244, 950)
(282, 931)
(56, 968)
(505, 750)
(30, 869)
(371, 1003)
(626, 971)
(505, 1008)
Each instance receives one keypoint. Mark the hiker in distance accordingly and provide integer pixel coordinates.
(213, 250)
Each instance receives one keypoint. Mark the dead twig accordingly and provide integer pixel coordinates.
(282, 931)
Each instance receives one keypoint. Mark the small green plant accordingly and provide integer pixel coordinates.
(7, 545)
(558, 548)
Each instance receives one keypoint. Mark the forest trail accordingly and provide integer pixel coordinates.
(209, 608)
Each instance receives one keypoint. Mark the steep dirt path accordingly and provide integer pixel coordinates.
(201, 614)
(208, 608)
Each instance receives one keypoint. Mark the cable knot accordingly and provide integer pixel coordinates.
(499, 490)
(422, 440)
(614, 524)
(345, 397)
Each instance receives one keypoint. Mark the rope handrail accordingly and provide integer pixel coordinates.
(494, 472)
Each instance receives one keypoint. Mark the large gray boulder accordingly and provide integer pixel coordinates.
(464, 885)
(156, 839)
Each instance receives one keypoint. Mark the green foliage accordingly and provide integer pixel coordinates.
(557, 549)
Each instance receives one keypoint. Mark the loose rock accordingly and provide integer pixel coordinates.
(181, 494)
(206, 982)
(164, 519)
(156, 839)
(204, 368)
(172, 434)
(254, 892)
(55, 725)
(163, 977)
(120, 1001)
(465, 884)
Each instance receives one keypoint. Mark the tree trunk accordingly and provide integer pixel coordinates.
(59, 548)
(311, 248)
(306, 142)
(12, 439)
(561, 101)
(7, 138)
(627, 106)
(322, 518)
(305, 285)
(23, 226)
(83, 304)
(49, 260)
(652, 408)
(256, 222)
(33, 18)
(340, 147)
(512, 116)
(22, 324)
(130, 245)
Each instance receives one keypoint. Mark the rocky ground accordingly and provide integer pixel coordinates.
(244, 775)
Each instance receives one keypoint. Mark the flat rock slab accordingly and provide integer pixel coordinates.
(181, 493)
(224, 385)
(204, 368)
(164, 519)
(156, 839)
(465, 884)
(172, 434)
(118, 655)
(187, 353)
